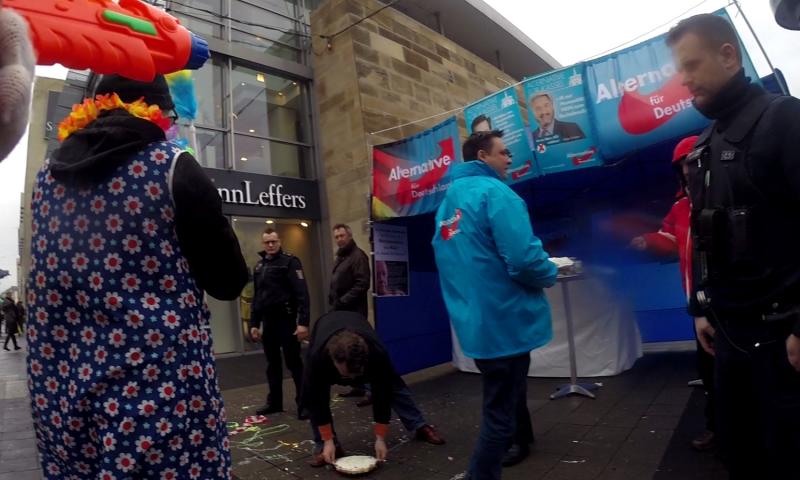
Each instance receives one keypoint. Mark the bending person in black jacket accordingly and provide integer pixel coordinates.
(345, 350)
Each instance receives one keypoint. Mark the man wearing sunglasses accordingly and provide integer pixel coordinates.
(493, 272)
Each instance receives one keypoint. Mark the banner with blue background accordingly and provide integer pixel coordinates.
(411, 176)
(636, 97)
(561, 128)
(501, 112)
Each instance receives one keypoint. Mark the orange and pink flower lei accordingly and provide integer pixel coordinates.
(85, 113)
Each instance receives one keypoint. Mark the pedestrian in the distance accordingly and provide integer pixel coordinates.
(11, 317)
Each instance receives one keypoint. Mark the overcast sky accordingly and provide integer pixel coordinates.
(575, 30)
(569, 30)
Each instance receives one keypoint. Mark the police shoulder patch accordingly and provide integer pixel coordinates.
(299, 274)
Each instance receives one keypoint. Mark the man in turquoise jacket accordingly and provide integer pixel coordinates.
(493, 270)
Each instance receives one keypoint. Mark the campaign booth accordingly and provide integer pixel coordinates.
(593, 165)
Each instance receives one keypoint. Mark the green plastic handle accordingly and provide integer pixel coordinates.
(135, 24)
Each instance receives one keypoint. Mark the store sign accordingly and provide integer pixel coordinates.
(54, 115)
(272, 196)
(265, 195)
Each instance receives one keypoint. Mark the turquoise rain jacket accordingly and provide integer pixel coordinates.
(492, 268)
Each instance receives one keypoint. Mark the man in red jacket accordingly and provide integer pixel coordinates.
(674, 237)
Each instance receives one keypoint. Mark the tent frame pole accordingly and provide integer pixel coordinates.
(758, 42)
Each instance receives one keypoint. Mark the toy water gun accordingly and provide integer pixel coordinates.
(129, 38)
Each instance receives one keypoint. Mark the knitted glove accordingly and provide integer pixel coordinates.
(17, 63)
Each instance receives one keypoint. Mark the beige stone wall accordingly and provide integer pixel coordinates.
(37, 149)
(386, 71)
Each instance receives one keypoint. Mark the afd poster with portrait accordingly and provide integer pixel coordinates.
(391, 260)
(637, 99)
(411, 176)
(501, 111)
(561, 128)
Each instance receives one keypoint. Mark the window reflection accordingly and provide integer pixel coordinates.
(203, 17)
(271, 29)
(211, 148)
(208, 88)
(257, 155)
(268, 105)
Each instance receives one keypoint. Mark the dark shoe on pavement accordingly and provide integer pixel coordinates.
(6, 349)
(17, 348)
(353, 393)
(706, 441)
(318, 461)
(516, 454)
(429, 434)
(366, 402)
(268, 410)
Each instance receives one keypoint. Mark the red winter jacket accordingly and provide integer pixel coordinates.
(673, 237)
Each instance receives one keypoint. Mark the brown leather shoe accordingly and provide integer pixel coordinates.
(318, 461)
(429, 434)
(706, 441)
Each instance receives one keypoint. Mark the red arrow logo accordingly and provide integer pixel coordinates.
(580, 159)
(638, 115)
(521, 171)
(405, 189)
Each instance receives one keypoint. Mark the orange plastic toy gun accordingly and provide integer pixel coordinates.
(129, 38)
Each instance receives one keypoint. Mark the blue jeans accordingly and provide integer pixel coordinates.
(505, 383)
(403, 405)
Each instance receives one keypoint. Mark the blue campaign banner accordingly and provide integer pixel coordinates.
(411, 176)
(561, 127)
(501, 112)
(636, 97)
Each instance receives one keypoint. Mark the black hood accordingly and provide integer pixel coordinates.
(154, 93)
(92, 153)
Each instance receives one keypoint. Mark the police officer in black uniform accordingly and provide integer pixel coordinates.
(745, 191)
(279, 316)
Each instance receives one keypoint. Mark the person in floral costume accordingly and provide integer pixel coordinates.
(128, 234)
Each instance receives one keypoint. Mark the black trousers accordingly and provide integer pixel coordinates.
(279, 336)
(758, 399)
(11, 335)
(705, 368)
(524, 433)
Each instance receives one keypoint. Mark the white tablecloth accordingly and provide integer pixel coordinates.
(607, 340)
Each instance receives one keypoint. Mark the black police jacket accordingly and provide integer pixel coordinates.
(744, 183)
(279, 290)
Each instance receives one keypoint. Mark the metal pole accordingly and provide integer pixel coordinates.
(370, 223)
(573, 387)
(758, 42)
(573, 362)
